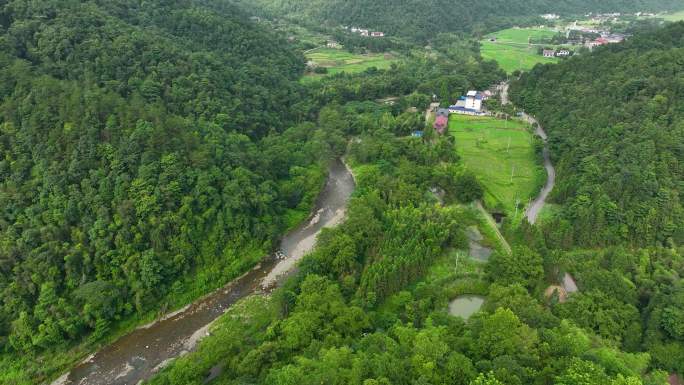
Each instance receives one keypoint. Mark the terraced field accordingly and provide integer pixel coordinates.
(337, 60)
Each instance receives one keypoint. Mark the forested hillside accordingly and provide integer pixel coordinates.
(616, 122)
(369, 305)
(421, 20)
(148, 151)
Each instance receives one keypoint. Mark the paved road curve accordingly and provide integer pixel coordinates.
(537, 205)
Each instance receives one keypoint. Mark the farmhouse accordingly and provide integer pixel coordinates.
(549, 53)
(442, 120)
(333, 44)
(441, 123)
(563, 53)
(471, 104)
(377, 34)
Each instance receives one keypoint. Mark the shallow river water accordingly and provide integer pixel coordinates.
(146, 350)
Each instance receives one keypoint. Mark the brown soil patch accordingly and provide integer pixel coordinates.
(562, 294)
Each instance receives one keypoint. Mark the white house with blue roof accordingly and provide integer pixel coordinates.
(471, 104)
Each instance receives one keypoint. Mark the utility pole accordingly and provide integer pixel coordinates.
(512, 173)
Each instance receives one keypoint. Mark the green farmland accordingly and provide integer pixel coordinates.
(676, 16)
(337, 60)
(512, 49)
(495, 150)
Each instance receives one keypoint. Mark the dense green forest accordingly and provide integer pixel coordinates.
(369, 306)
(148, 153)
(422, 20)
(152, 151)
(616, 122)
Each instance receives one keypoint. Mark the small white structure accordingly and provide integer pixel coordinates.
(563, 53)
(364, 32)
(377, 34)
(550, 16)
(549, 53)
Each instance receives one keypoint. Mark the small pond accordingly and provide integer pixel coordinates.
(465, 305)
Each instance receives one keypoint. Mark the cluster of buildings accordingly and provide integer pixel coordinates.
(366, 32)
(607, 38)
(471, 103)
(550, 16)
(556, 53)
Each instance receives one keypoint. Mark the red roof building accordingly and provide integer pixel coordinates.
(441, 123)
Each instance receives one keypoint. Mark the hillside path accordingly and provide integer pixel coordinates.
(492, 224)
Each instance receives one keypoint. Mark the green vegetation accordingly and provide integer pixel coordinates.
(675, 16)
(494, 150)
(616, 139)
(149, 153)
(140, 167)
(422, 20)
(369, 305)
(337, 60)
(512, 48)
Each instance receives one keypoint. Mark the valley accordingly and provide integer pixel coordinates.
(341, 192)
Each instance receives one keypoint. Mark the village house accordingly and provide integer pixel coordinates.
(563, 53)
(333, 44)
(441, 121)
(377, 34)
(471, 104)
(549, 53)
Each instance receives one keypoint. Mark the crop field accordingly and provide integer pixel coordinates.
(512, 49)
(676, 16)
(337, 60)
(501, 153)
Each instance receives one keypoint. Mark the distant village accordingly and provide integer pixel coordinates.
(365, 32)
(590, 34)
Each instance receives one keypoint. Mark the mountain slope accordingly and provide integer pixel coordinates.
(424, 19)
(616, 123)
(140, 145)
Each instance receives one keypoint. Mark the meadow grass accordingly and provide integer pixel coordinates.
(337, 60)
(675, 16)
(501, 154)
(512, 51)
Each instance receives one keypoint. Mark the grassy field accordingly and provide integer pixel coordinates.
(512, 51)
(337, 60)
(495, 150)
(676, 16)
